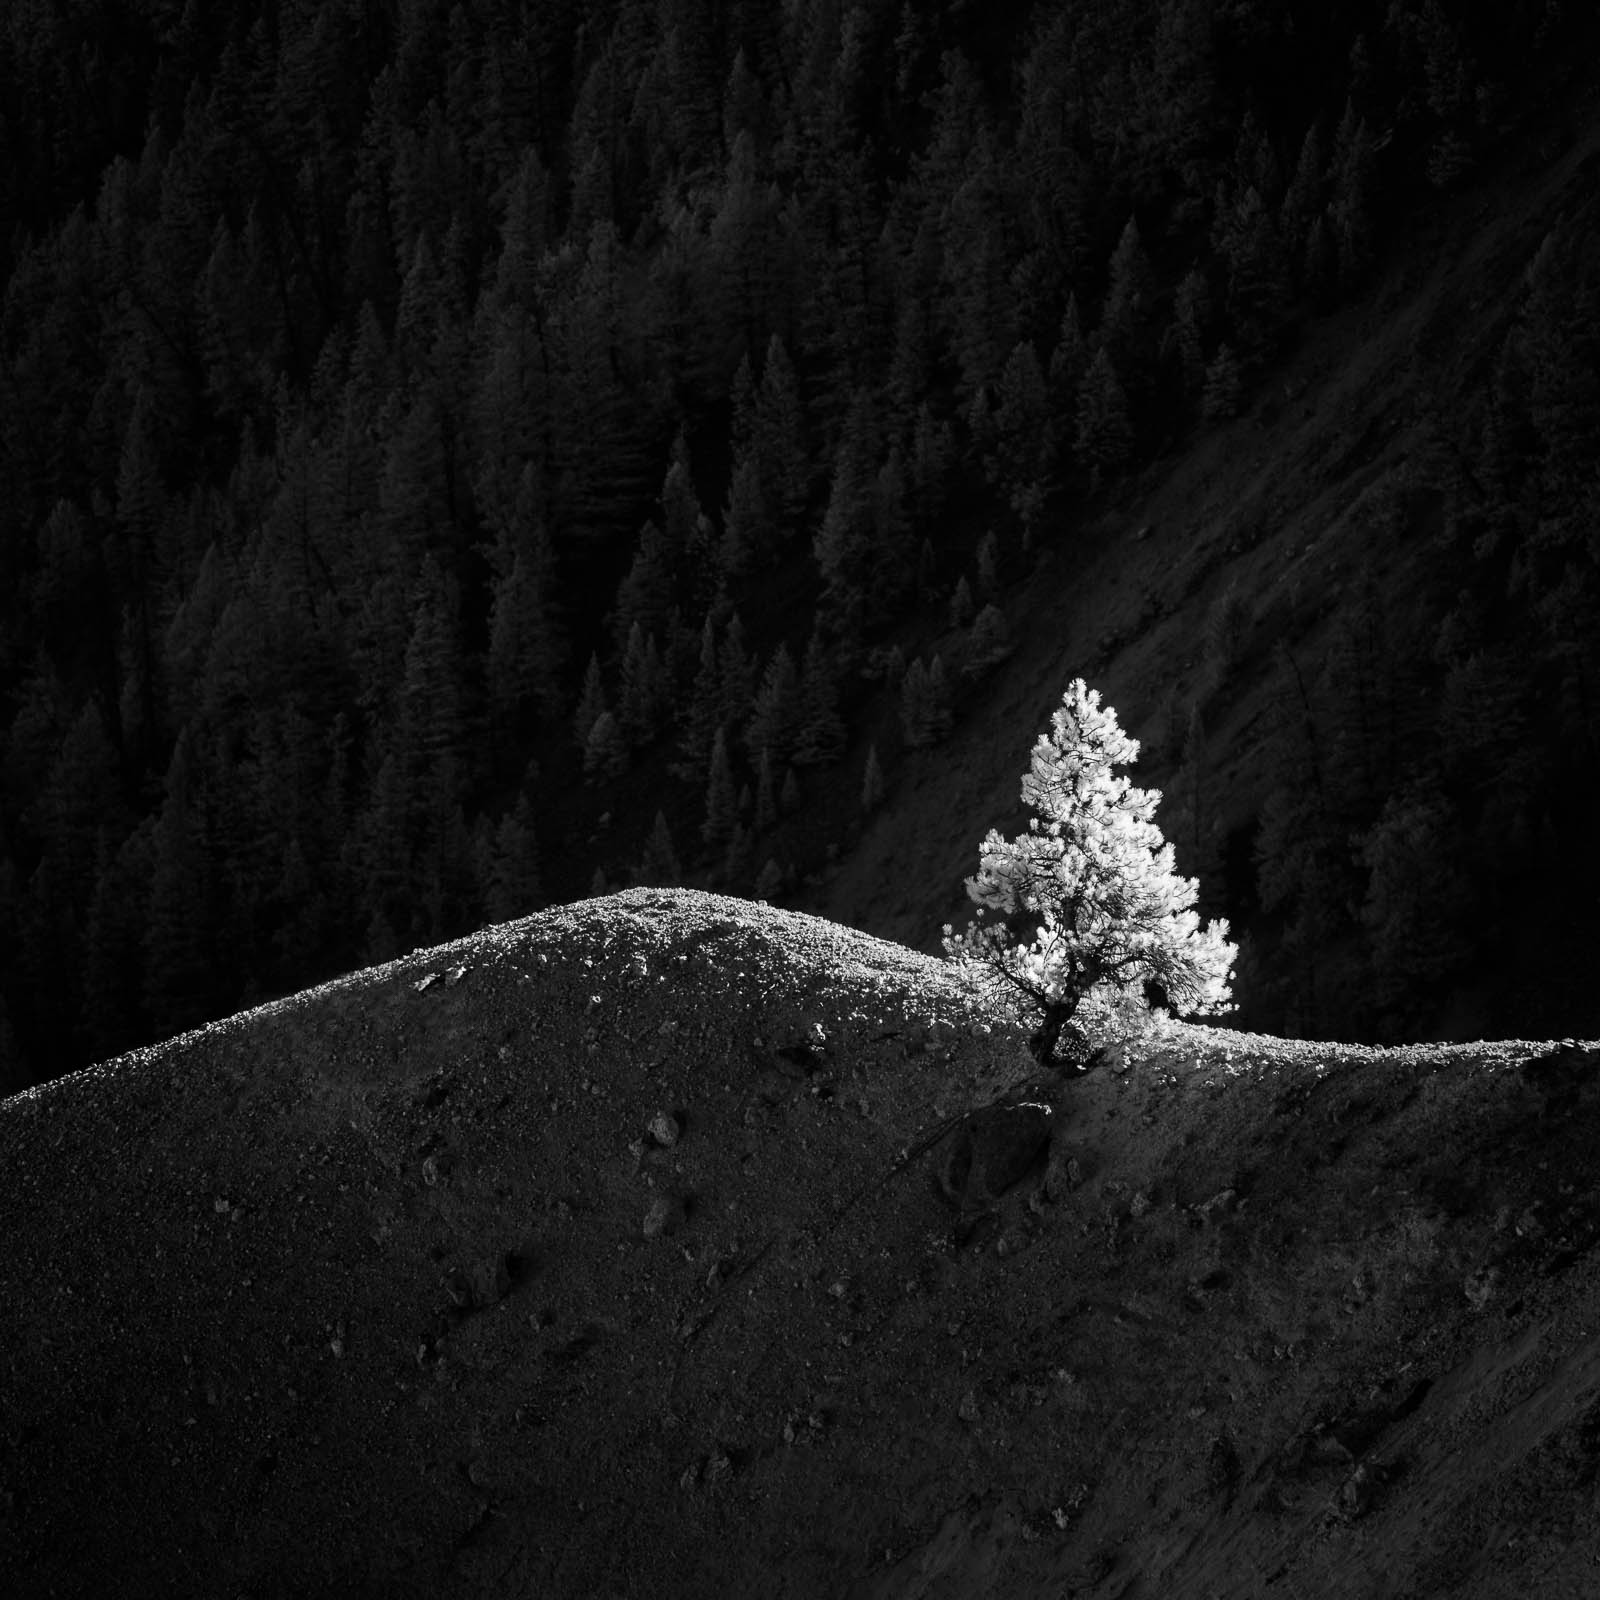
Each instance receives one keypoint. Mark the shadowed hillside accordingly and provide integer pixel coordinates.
(613, 1253)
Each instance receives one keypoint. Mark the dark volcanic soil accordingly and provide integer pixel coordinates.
(599, 1255)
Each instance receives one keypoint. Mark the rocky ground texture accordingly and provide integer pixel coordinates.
(650, 1247)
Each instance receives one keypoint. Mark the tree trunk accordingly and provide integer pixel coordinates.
(1042, 1043)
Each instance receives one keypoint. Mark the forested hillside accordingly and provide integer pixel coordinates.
(453, 456)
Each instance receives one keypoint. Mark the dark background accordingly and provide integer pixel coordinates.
(427, 430)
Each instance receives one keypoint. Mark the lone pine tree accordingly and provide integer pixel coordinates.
(1094, 878)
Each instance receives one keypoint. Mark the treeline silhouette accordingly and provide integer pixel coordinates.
(453, 454)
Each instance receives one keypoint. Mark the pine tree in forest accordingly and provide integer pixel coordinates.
(1023, 426)
(872, 786)
(736, 859)
(1319, 264)
(736, 680)
(819, 729)
(989, 642)
(1069, 362)
(722, 801)
(417, 317)
(988, 565)
(789, 794)
(977, 297)
(642, 699)
(1304, 199)
(1350, 208)
(774, 715)
(769, 881)
(962, 606)
(680, 505)
(780, 439)
(892, 541)
(747, 536)
(746, 108)
(1190, 309)
(591, 702)
(432, 726)
(940, 715)
(701, 715)
(513, 888)
(605, 751)
(114, 979)
(766, 812)
(414, 510)
(645, 595)
(524, 233)
(1129, 296)
(81, 796)
(177, 934)
(1259, 283)
(659, 867)
(1105, 435)
(1224, 389)
(527, 649)
(925, 713)
(917, 339)
(928, 586)
(741, 249)
(843, 547)
(928, 471)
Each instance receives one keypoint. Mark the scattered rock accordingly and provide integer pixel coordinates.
(1139, 1205)
(454, 976)
(1360, 1490)
(693, 1321)
(1066, 1171)
(433, 1093)
(968, 1409)
(665, 1216)
(718, 1468)
(1481, 1287)
(1222, 1204)
(490, 1280)
(665, 1129)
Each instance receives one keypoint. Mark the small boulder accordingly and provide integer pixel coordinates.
(490, 1279)
(664, 1218)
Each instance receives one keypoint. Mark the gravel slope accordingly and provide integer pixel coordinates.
(598, 1254)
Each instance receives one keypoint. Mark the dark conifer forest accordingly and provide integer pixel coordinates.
(458, 456)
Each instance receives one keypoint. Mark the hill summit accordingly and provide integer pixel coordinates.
(669, 1244)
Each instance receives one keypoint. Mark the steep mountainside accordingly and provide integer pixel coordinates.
(1308, 582)
(618, 1252)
